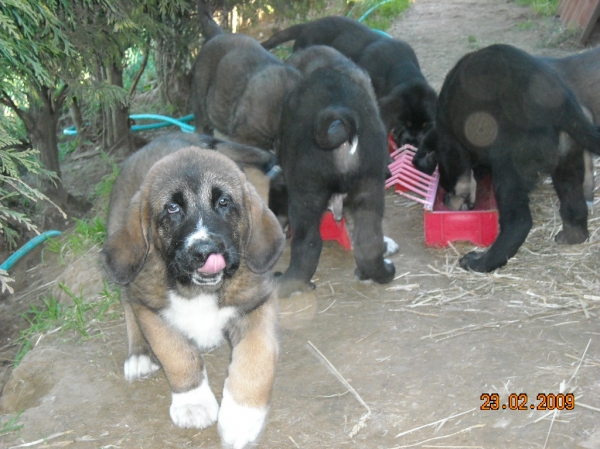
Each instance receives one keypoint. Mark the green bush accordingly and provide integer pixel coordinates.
(378, 14)
(545, 8)
(53, 316)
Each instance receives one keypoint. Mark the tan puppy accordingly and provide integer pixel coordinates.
(193, 242)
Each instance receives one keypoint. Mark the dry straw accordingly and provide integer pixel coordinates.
(543, 278)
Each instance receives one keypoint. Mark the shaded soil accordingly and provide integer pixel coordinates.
(419, 352)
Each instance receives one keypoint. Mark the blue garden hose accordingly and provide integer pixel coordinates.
(166, 121)
(163, 121)
(8, 263)
(369, 11)
(373, 8)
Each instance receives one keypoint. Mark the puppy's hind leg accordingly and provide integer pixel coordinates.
(568, 183)
(141, 361)
(278, 201)
(566, 146)
(247, 389)
(305, 212)
(588, 179)
(366, 204)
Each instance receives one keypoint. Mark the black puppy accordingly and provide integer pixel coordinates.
(581, 72)
(504, 110)
(332, 141)
(406, 100)
(305, 61)
(238, 87)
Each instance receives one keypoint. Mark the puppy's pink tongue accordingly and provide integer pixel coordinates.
(213, 265)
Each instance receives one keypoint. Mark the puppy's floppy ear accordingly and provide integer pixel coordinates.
(125, 250)
(264, 240)
(392, 107)
(425, 158)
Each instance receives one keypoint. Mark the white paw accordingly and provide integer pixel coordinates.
(195, 408)
(239, 424)
(390, 246)
(138, 367)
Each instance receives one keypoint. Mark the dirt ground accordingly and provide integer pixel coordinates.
(419, 352)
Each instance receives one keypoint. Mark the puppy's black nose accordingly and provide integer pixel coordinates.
(411, 139)
(199, 251)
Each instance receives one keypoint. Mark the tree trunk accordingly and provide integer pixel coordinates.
(163, 71)
(41, 122)
(77, 117)
(117, 132)
(175, 80)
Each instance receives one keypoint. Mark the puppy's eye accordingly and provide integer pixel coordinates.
(173, 208)
(223, 201)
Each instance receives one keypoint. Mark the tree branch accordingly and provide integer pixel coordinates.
(61, 96)
(140, 72)
(8, 102)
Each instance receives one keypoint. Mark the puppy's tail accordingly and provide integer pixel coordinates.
(210, 28)
(289, 34)
(335, 126)
(241, 154)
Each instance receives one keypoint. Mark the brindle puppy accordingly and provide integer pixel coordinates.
(193, 243)
(238, 87)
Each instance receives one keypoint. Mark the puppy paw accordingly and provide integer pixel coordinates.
(239, 424)
(571, 236)
(476, 261)
(390, 246)
(139, 367)
(195, 408)
(291, 287)
(381, 277)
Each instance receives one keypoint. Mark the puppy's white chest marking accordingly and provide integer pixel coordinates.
(199, 319)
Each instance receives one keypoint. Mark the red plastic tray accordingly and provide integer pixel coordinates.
(442, 225)
(478, 225)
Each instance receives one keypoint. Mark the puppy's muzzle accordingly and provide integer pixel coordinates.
(205, 262)
(455, 202)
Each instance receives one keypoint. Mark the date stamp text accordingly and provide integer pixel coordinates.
(520, 401)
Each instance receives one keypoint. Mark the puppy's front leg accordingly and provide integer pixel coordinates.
(140, 362)
(193, 403)
(515, 222)
(251, 374)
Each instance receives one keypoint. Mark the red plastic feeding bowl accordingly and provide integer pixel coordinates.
(442, 225)
(478, 225)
